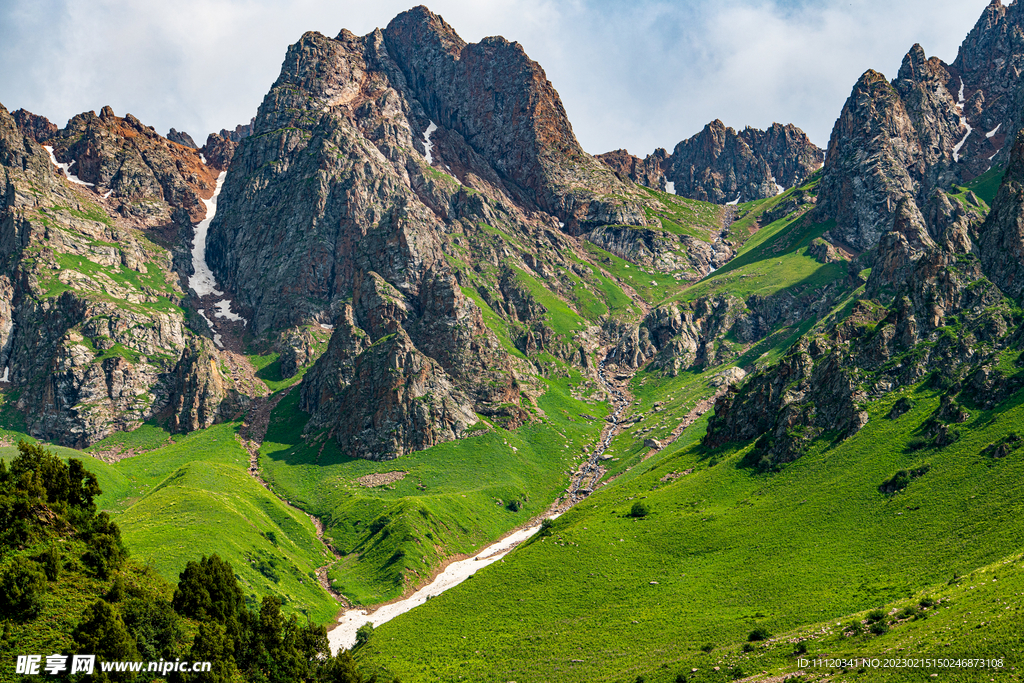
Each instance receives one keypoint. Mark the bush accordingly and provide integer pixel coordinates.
(51, 561)
(639, 510)
(707, 647)
(758, 634)
(363, 634)
(875, 616)
(879, 628)
(926, 602)
(801, 648)
(208, 590)
(22, 586)
(907, 612)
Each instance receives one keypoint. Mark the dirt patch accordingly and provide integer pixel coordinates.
(381, 479)
(672, 476)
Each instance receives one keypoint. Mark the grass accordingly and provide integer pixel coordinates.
(987, 184)
(636, 276)
(194, 497)
(773, 260)
(728, 551)
(682, 216)
(454, 499)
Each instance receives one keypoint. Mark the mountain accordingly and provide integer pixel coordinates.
(718, 164)
(935, 126)
(96, 220)
(782, 422)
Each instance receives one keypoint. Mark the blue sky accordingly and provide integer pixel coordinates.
(637, 75)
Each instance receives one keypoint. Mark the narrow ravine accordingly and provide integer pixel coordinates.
(589, 475)
(251, 435)
(202, 281)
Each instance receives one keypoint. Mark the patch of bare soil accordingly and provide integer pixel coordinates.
(698, 410)
(381, 479)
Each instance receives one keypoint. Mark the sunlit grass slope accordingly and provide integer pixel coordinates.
(725, 551)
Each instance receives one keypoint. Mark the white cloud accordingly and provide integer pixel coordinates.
(636, 75)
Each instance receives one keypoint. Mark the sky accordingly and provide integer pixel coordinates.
(637, 75)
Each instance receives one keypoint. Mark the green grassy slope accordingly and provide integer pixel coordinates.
(727, 551)
(453, 498)
(193, 496)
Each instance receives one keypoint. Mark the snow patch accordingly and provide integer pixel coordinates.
(963, 121)
(993, 132)
(202, 158)
(224, 311)
(670, 187)
(734, 202)
(216, 337)
(203, 281)
(779, 189)
(66, 168)
(7, 375)
(959, 145)
(344, 634)
(107, 195)
(428, 144)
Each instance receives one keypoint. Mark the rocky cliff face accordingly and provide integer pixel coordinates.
(1001, 238)
(988, 68)
(720, 165)
(91, 324)
(379, 172)
(142, 175)
(929, 308)
(936, 124)
(649, 172)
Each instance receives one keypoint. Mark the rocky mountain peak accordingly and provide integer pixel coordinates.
(502, 105)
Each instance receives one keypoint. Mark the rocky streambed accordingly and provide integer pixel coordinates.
(584, 480)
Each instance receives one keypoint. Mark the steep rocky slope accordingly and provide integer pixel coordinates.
(934, 126)
(936, 304)
(720, 165)
(93, 336)
(389, 181)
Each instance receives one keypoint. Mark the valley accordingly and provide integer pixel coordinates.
(400, 351)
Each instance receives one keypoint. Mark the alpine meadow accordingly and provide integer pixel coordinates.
(396, 382)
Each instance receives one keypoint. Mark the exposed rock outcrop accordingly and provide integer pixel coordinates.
(182, 138)
(1001, 237)
(648, 172)
(720, 165)
(143, 174)
(91, 329)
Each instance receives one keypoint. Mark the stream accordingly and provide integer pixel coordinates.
(583, 482)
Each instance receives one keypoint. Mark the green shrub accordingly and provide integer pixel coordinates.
(879, 628)
(363, 634)
(758, 634)
(639, 510)
(707, 647)
(50, 559)
(875, 615)
(22, 586)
